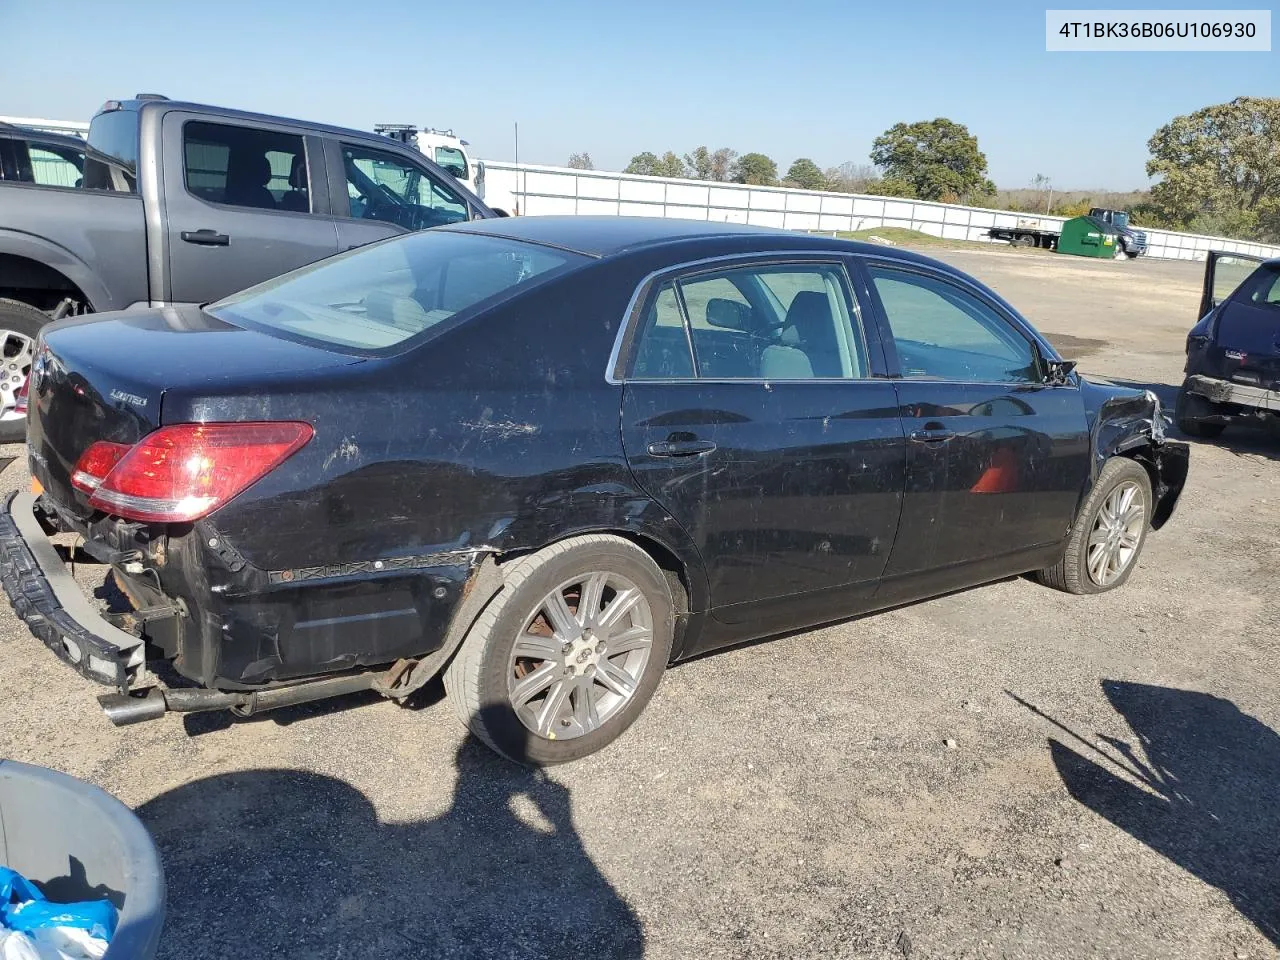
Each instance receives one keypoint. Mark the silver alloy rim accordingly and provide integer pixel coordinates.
(1116, 533)
(580, 655)
(17, 351)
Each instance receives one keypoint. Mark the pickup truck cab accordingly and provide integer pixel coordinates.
(187, 203)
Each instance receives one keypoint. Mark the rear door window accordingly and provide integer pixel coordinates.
(767, 322)
(245, 166)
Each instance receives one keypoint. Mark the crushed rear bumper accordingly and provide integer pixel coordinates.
(46, 597)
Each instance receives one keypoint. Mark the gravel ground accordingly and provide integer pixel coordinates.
(1004, 772)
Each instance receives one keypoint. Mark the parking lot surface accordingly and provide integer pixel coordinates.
(1004, 772)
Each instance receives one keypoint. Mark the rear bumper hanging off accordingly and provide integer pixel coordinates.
(46, 597)
(1241, 394)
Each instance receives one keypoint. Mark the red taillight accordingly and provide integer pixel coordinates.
(95, 463)
(20, 398)
(184, 472)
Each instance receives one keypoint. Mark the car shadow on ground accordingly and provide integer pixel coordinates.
(1244, 440)
(1207, 790)
(287, 863)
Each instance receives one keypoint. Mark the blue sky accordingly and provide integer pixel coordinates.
(818, 79)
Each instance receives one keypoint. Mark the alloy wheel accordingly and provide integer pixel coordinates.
(580, 656)
(16, 353)
(1116, 533)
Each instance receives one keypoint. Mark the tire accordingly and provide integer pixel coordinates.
(483, 680)
(19, 324)
(1024, 240)
(1191, 426)
(1120, 252)
(1074, 572)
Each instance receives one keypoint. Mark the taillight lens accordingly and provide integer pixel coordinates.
(184, 472)
(95, 463)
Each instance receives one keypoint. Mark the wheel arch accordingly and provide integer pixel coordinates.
(35, 265)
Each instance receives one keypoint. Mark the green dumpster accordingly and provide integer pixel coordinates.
(1087, 237)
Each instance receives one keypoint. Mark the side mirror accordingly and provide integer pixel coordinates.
(479, 173)
(1058, 372)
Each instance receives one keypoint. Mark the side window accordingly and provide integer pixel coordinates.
(382, 186)
(662, 349)
(784, 322)
(453, 161)
(245, 167)
(55, 166)
(941, 332)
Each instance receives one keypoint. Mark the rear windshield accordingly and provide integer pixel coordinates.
(375, 299)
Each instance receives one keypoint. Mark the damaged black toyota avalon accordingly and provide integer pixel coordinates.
(547, 457)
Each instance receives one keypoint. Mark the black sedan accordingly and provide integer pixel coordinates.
(548, 457)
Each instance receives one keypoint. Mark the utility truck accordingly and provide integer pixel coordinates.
(452, 153)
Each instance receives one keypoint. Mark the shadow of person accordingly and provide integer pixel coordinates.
(289, 863)
(1212, 798)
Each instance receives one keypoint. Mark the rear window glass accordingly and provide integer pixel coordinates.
(376, 298)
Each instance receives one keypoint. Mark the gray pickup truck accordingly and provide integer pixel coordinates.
(184, 203)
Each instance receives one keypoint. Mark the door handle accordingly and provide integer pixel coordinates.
(680, 448)
(934, 435)
(206, 238)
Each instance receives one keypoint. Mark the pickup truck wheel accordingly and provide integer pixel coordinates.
(19, 325)
(1182, 413)
(1108, 534)
(568, 653)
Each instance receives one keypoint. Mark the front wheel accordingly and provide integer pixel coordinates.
(1109, 532)
(568, 654)
(19, 325)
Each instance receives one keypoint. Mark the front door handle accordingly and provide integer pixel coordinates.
(680, 448)
(932, 435)
(206, 238)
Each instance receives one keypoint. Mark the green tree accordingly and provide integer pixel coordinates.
(643, 163)
(581, 161)
(1219, 169)
(702, 164)
(755, 168)
(933, 158)
(806, 174)
(669, 165)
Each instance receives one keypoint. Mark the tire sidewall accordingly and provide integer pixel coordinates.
(511, 736)
(28, 321)
(1116, 471)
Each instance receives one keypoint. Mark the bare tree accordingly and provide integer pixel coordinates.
(581, 161)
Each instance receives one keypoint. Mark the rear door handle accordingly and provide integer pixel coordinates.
(680, 448)
(934, 435)
(206, 238)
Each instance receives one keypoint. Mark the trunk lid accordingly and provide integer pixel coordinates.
(104, 377)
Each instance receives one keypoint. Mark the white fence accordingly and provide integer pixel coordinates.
(540, 190)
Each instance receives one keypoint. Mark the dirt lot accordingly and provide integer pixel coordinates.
(1113, 790)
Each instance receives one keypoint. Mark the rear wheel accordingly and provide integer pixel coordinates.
(19, 325)
(1024, 240)
(1185, 408)
(568, 654)
(1108, 534)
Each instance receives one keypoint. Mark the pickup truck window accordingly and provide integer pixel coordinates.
(111, 162)
(382, 186)
(245, 167)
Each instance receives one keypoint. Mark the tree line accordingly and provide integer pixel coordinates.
(1217, 170)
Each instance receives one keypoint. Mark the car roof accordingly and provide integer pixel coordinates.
(13, 131)
(609, 236)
